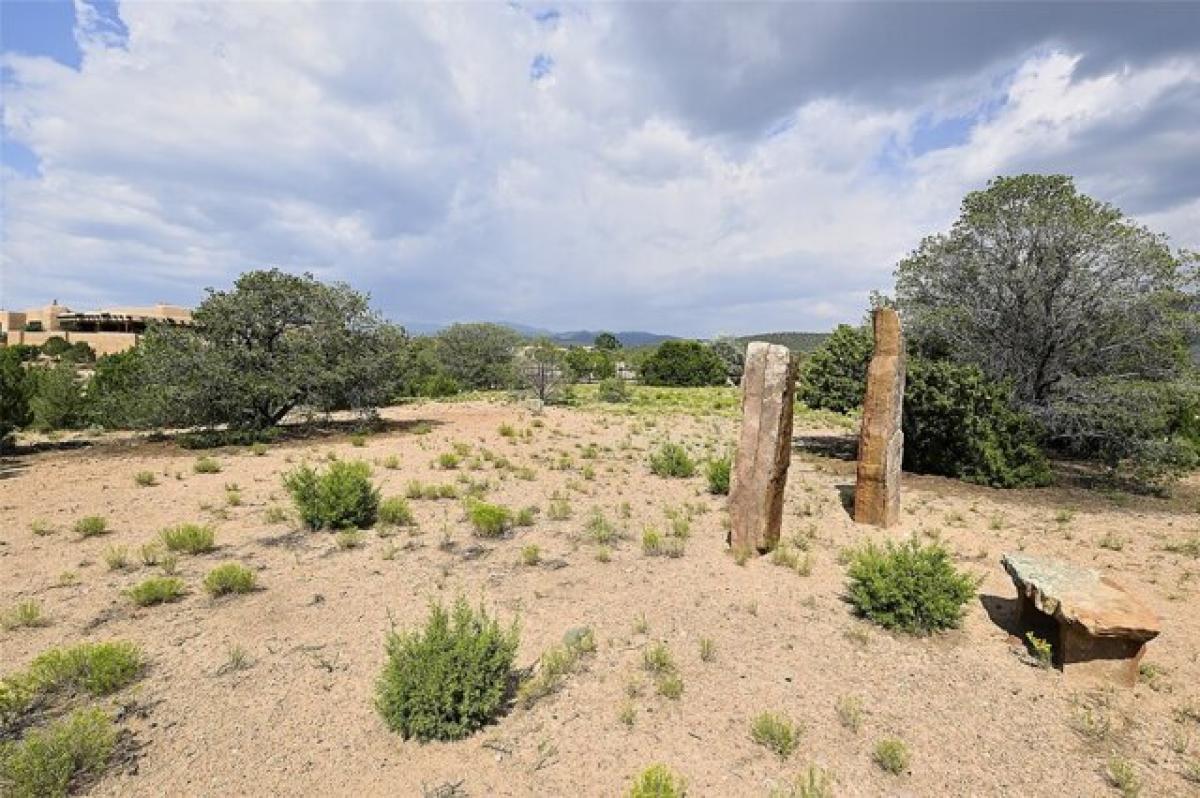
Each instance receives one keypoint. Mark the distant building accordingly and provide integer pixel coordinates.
(106, 331)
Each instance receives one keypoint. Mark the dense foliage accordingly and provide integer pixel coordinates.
(340, 498)
(275, 343)
(960, 424)
(683, 363)
(450, 679)
(835, 376)
(908, 587)
(478, 356)
(14, 394)
(1082, 311)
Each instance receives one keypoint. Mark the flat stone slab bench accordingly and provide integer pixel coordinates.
(1100, 628)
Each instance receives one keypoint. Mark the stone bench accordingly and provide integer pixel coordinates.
(1099, 629)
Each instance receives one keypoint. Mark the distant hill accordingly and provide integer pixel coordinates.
(631, 339)
(801, 342)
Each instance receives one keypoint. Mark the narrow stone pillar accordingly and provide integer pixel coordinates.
(881, 441)
(764, 447)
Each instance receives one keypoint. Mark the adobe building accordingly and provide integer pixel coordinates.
(106, 331)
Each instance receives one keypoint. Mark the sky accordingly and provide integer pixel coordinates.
(693, 169)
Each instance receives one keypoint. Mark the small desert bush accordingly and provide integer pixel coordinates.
(25, 615)
(612, 390)
(708, 649)
(891, 755)
(526, 516)
(717, 472)
(672, 460)
(658, 781)
(46, 762)
(775, 732)
(394, 511)
(813, 783)
(340, 498)
(908, 587)
(91, 525)
(95, 668)
(206, 465)
(555, 665)
(450, 679)
(229, 578)
(116, 557)
(489, 520)
(156, 590)
(189, 538)
(348, 539)
(600, 529)
(531, 554)
(145, 479)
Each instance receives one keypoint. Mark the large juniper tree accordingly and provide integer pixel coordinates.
(274, 343)
(1075, 305)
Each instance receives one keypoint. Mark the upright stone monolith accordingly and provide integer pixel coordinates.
(764, 447)
(881, 441)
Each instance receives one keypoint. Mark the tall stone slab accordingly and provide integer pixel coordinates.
(881, 441)
(764, 448)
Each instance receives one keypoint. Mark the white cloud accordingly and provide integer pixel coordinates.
(405, 149)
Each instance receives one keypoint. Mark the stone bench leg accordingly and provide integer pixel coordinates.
(1104, 659)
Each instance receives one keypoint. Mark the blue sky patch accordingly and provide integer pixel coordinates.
(42, 28)
(541, 66)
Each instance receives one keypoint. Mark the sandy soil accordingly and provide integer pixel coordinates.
(978, 719)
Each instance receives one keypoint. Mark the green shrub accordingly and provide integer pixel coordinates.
(555, 665)
(835, 375)
(612, 390)
(156, 590)
(957, 423)
(672, 460)
(449, 680)
(206, 465)
(46, 762)
(891, 755)
(489, 520)
(775, 732)
(229, 578)
(15, 387)
(145, 479)
(658, 781)
(25, 615)
(531, 554)
(189, 538)
(94, 668)
(57, 401)
(908, 587)
(717, 472)
(91, 525)
(683, 363)
(340, 498)
(394, 511)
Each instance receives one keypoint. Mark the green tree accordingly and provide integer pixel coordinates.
(420, 370)
(589, 365)
(57, 400)
(607, 341)
(733, 354)
(683, 363)
(14, 393)
(1063, 297)
(835, 376)
(55, 345)
(274, 343)
(480, 355)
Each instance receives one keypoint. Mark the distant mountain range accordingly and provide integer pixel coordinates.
(796, 341)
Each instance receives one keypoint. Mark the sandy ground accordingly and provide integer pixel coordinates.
(978, 719)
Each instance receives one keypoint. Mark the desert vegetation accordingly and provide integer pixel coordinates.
(468, 562)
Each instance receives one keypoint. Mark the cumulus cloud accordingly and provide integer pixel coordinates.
(690, 169)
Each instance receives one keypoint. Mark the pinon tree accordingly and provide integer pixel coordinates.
(1084, 312)
(275, 343)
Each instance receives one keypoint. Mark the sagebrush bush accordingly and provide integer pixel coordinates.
(394, 511)
(489, 520)
(229, 578)
(46, 762)
(156, 590)
(189, 538)
(612, 390)
(206, 465)
(672, 460)
(908, 587)
(450, 679)
(658, 781)
(891, 755)
(94, 668)
(340, 498)
(717, 472)
(776, 732)
(91, 526)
